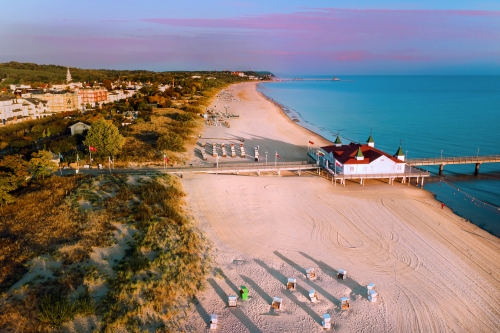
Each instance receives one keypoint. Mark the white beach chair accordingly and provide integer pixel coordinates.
(291, 284)
(326, 322)
(341, 274)
(213, 321)
(311, 273)
(369, 287)
(277, 303)
(372, 295)
(313, 295)
(232, 301)
(344, 303)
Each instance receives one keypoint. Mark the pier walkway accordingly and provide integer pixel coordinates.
(442, 161)
(236, 168)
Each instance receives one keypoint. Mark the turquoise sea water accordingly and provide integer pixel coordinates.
(458, 115)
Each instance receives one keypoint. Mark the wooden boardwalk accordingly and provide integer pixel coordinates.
(236, 168)
(442, 161)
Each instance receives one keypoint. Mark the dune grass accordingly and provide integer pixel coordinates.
(163, 267)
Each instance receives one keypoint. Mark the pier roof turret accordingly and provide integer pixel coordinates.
(338, 142)
(359, 154)
(370, 141)
(400, 155)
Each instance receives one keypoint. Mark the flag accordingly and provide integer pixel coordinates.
(166, 159)
(92, 149)
(311, 143)
(321, 153)
(337, 163)
(277, 155)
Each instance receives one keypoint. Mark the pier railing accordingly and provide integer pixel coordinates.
(453, 160)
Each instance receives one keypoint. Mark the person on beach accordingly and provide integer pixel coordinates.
(442, 205)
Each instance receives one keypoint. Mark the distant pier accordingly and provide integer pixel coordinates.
(442, 161)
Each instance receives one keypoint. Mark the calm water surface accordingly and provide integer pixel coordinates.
(458, 115)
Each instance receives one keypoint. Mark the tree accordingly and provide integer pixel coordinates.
(7, 184)
(16, 166)
(41, 164)
(105, 138)
(170, 141)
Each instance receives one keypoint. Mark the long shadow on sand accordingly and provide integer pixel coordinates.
(238, 313)
(280, 277)
(356, 288)
(203, 313)
(316, 287)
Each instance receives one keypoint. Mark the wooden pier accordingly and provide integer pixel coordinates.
(236, 168)
(442, 161)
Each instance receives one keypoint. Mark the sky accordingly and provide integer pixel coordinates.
(315, 37)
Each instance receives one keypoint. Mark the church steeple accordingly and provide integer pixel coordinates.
(68, 76)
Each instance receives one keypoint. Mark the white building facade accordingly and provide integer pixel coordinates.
(362, 159)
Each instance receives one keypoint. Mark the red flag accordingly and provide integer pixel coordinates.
(338, 163)
(311, 143)
(277, 155)
(166, 159)
(92, 149)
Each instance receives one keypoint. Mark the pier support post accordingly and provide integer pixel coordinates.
(441, 168)
(477, 168)
(258, 172)
(422, 183)
(299, 172)
(279, 172)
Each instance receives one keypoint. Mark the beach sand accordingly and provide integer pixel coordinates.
(434, 272)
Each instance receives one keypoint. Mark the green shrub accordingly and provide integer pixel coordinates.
(56, 309)
(170, 141)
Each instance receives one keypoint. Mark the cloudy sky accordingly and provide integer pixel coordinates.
(286, 37)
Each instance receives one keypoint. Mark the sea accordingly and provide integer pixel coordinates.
(429, 116)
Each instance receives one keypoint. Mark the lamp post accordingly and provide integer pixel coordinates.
(441, 154)
(217, 162)
(266, 159)
(406, 158)
(477, 153)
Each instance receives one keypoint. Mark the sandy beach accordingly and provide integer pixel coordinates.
(433, 271)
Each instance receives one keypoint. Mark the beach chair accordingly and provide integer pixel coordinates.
(213, 321)
(344, 303)
(244, 293)
(341, 274)
(326, 322)
(231, 302)
(291, 284)
(372, 295)
(277, 303)
(313, 295)
(369, 287)
(311, 273)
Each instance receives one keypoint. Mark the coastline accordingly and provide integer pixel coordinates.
(434, 271)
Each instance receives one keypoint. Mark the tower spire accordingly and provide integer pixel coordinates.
(68, 76)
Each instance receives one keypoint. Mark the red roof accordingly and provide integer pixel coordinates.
(346, 154)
